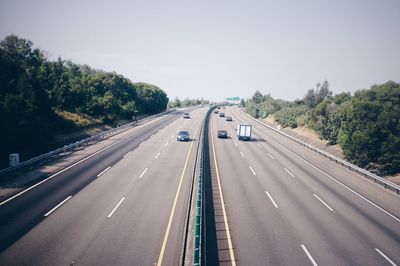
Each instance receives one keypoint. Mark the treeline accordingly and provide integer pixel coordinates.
(366, 125)
(39, 97)
(176, 102)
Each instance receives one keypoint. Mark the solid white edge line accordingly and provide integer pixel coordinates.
(241, 153)
(63, 170)
(105, 170)
(56, 207)
(271, 199)
(289, 172)
(251, 168)
(116, 207)
(337, 181)
(309, 255)
(270, 156)
(227, 230)
(323, 202)
(158, 154)
(127, 154)
(386, 257)
(145, 170)
(72, 165)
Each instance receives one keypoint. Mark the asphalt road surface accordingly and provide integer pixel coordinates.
(285, 205)
(124, 205)
(280, 204)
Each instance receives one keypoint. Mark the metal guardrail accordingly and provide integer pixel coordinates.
(350, 166)
(77, 144)
(198, 216)
(198, 227)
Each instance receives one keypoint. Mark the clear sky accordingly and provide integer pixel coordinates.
(217, 49)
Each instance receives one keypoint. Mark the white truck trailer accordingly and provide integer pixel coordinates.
(244, 132)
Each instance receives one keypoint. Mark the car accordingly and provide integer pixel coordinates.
(222, 134)
(183, 135)
(216, 112)
(221, 115)
(228, 118)
(186, 115)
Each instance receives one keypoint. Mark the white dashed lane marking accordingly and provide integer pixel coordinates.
(56, 207)
(105, 170)
(145, 170)
(272, 200)
(116, 207)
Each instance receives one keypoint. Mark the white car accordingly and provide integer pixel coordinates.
(186, 115)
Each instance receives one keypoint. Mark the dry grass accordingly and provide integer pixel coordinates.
(309, 136)
(81, 120)
(395, 179)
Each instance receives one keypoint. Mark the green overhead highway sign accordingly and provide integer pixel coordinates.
(233, 99)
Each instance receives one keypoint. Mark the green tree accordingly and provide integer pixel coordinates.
(289, 116)
(35, 91)
(341, 98)
(24, 105)
(370, 132)
(321, 92)
(257, 97)
(152, 98)
(310, 98)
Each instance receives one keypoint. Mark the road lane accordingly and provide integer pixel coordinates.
(332, 175)
(351, 179)
(80, 231)
(359, 213)
(259, 236)
(338, 238)
(20, 214)
(232, 258)
(280, 209)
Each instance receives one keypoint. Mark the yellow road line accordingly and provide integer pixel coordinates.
(171, 216)
(228, 235)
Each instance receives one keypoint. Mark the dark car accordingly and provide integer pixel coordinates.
(216, 112)
(186, 115)
(221, 115)
(222, 134)
(228, 118)
(183, 136)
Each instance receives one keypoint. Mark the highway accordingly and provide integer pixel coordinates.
(123, 205)
(286, 205)
(275, 203)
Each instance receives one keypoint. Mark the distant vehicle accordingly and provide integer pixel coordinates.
(221, 115)
(222, 134)
(228, 118)
(244, 132)
(216, 112)
(183, 136)
(186, 115)
(219, 107)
